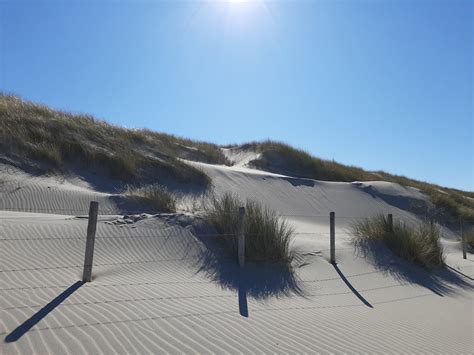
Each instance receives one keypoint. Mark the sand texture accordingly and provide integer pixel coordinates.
(156, 287)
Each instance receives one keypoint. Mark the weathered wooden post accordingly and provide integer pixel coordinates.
(91, 228)
(390, 222)
(332, 237)
(241, 237)
(463, 241)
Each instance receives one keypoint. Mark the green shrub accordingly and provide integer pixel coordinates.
(267, 236)
(154, 195)
(419, 244)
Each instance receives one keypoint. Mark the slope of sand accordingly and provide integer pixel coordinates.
(159, 285)
(239, 157)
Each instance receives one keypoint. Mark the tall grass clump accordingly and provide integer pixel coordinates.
(267, 236)
(154, 195)
(419, 244)
(469, 236)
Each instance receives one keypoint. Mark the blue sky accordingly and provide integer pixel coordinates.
(377, 84)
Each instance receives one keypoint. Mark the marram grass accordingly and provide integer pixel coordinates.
(268, 237)
(154, 195)
(419, 244)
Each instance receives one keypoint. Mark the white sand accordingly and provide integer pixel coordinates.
(239, 157)
(150, 292)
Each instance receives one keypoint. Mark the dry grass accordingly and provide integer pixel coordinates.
(420, 244)
(283, 159)
(469, 236)
(32, 133)
(154, 195)
(458, 204)
(267, 236)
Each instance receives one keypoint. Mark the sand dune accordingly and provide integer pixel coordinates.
(153, 291)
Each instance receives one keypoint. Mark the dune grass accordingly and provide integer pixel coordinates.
(34, 133)
(281, 158)
(469, 236)
(452, 201)
(456, 203)
(419, 244)
(267, 236)
(155, 195)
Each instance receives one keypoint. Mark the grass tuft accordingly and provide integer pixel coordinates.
(267, 236)
(154, 195)
(419, 244)
(469, 236)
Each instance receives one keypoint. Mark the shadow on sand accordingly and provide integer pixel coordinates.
(348, 284)
(441, 281)
(257, 280)
(43, 312)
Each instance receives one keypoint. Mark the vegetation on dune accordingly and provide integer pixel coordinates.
(419, 244)
(457, 203)
(469, 236)
(155, 195)
(454, 202)
(32, 132)
(281, 158)
(267, 236)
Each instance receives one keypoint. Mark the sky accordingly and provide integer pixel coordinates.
(384, 85)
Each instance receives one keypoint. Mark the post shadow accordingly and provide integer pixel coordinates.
(43, 312)
(354, 291)
(459, 272)
(243, 306)
(441, 281)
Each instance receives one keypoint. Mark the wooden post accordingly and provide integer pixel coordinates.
(390, 221)
(463, 241)
(241, 237)
(91, 228)
(332, 237)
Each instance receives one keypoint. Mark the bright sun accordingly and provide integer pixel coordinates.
(237, 1)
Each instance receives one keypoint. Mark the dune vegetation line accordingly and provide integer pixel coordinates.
(34, 133)
(419, 244)
(283, 159)
(54, 141)
(268, 236)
